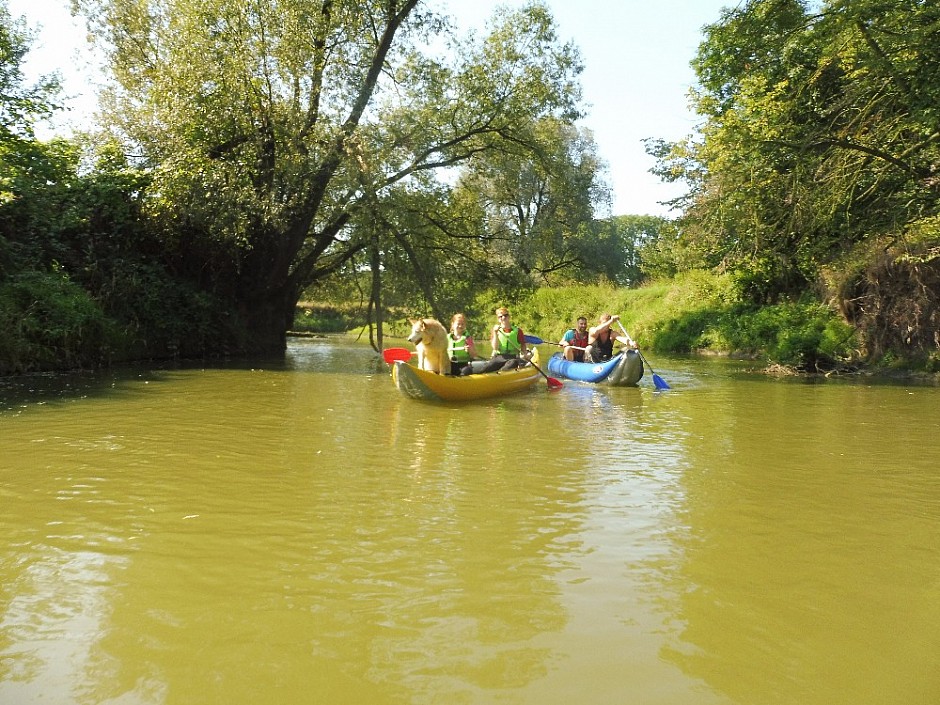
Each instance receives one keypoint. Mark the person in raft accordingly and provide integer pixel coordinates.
(508, 343)
(460, 346)
(573, 339)
(600, 347)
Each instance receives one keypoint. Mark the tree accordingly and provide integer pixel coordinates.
(271, 128)
(536, 203)
(20, 104)
(821, 132)
(32, 174)
(634, 237)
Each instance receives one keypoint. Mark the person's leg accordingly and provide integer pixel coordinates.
(511, 364)
(494, 364)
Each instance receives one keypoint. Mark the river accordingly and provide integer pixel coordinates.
(299, 532)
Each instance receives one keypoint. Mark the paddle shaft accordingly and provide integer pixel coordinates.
(657, 380)
(573, 347)
(535, 340)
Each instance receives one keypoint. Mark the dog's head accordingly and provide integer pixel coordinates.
(418, 329)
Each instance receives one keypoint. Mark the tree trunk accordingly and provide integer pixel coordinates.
(376, 264)
(267, 316)
(266, 299)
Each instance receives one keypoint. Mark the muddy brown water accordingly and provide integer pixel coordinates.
(299, 532)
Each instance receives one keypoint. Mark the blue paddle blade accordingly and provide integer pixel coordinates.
(660, 382)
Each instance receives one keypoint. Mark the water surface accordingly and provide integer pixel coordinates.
(299, 532)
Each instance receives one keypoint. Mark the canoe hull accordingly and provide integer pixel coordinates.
(624, 369)
(421, 384)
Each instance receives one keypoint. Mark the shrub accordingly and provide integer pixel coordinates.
(49, 323)
(806, 335)
(327, 318)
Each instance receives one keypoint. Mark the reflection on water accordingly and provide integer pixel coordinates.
(299, 532)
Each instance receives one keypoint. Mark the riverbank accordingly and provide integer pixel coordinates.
(697, 313)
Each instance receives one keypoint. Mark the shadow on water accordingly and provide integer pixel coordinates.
(303, 355)
(684, 372)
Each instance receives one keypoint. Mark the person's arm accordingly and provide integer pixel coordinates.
(626, 340)
(606, 324)
(471, 347)
(494, 342)
(592, 333)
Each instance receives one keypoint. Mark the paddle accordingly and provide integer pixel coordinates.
(553, 383)
(391, 355)
(658, 381)
(535, 340)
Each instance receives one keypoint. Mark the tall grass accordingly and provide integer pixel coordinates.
(698, 312)
(695, 312)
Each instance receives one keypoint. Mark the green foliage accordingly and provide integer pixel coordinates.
(285, 137)
(552, 311)
(69, 233)
(50, 322)
(327, 318)
(634, 237)
(820, 132)
(315, 143)
(695, 312)
(807, 336)
(161, 316)
(20, 104)
(534, 204)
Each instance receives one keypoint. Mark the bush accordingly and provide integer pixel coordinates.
(160, 316)
(50, 323)
(805, 335)
(327, 318)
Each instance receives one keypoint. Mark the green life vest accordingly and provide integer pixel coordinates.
(457, 347)
(508, 343)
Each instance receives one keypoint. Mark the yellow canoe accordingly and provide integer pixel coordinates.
(421, 384)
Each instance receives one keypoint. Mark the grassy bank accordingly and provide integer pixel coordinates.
(697, 312)
(700, 313)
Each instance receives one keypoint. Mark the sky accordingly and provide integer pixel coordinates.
(635, 83)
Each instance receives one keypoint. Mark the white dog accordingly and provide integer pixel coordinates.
(430, 338)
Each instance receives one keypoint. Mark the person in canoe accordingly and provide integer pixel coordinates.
(573, 339)
(508, 343)
(460, 346)
(600, 347)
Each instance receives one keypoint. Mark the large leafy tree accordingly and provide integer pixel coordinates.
(636, 238)
(536, 207)
(21, 105)
(272, 128)
(821, 131)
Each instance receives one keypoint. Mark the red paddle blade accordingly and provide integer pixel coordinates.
(554, 383)
(391, 355)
